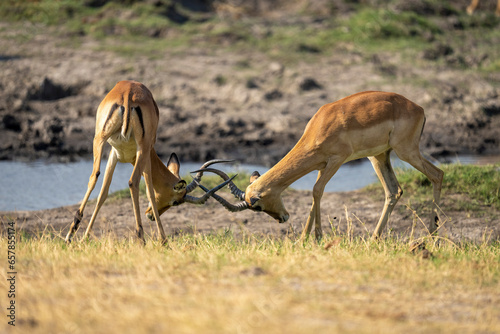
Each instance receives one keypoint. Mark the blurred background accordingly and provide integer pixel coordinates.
(240, 79)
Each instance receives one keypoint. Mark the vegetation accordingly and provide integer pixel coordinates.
(222, 283)
(218, 283)
(153, 27)
(479, 186)
(480, 183)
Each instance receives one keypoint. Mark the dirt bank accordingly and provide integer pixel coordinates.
(117, 218)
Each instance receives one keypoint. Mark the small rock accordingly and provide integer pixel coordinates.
(309, 84)
(276, 68)
(275, 94)
(252, 84)
(253, 271)
(48, 91)
(11, 123)
(174, 15)
(308, 48)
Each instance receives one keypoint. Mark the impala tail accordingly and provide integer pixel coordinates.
(125, 108)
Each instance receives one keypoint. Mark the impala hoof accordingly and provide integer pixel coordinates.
(150, 216)
(283, 219)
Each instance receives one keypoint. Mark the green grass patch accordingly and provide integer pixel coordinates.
(44, 11)
(381, 24)
(479, 184)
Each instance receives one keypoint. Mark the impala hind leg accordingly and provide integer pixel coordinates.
(97, 151)
(324, 176)
(108, 176)
(385, 173)
(434, 174)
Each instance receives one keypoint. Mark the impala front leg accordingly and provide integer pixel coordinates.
(74, 226)
(309, 224)
(324, 175)
(314, 219)
(312, 215)
(133, 185)
(318, 233)
(151, 197)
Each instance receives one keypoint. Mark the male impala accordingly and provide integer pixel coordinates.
(127, 119)
(473, 5)
(367, 124)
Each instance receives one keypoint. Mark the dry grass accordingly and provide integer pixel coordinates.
(218, 283)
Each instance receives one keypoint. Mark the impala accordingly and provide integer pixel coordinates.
(473, 5)
(127, 119)
(367, 124)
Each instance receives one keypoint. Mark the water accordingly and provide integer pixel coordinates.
(41, 185)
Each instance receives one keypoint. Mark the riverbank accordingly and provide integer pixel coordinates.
(354, 212)
(470, 210)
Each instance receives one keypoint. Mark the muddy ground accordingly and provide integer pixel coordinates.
(116, 218)
(225, 103)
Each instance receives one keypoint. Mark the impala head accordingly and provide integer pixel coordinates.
(257, 197)
(170, 190)
(262, 198)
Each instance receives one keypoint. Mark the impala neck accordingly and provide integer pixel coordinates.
(297, 163)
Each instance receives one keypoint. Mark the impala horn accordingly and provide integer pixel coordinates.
(197, 179)
(231, 207)
(208, 193)
(239, 194)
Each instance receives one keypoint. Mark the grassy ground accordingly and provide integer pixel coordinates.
(220, 284)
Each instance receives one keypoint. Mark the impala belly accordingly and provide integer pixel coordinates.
(126, 149)
(370, 141)
(374, 151)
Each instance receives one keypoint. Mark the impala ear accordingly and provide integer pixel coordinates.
(173, 165)
(255, 175)
(180, 186)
